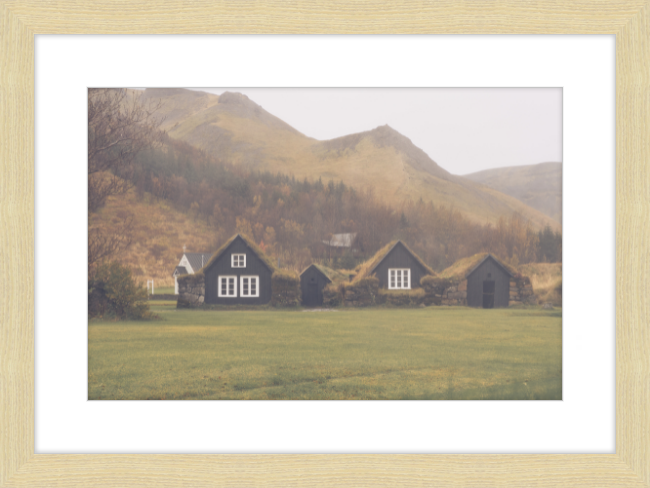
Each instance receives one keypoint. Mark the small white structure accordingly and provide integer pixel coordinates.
(190, 263)
(341, 240)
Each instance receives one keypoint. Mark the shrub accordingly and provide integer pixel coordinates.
(332, 295)
(113, 293)
(361, 293)
(434, 285)
(402, 298)
(285, 289)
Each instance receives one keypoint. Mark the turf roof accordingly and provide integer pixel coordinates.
(250, 243)
(461, 268)
(368, 267)
(334, 275)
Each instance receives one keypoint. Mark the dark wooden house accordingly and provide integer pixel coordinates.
(238, 274)
(396, 267)
(488, 284)
(312, 282)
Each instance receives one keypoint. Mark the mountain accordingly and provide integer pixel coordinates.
(235, 129)
(539, 186)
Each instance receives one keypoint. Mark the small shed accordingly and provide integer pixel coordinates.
(488, 284)
(313, 280)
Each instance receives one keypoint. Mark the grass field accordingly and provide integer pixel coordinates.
(442, 353)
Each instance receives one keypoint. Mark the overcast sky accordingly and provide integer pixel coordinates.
(462, 129)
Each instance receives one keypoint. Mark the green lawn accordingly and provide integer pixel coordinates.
(165, 290)
(427, 353)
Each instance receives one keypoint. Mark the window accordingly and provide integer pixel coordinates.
(238, 260)
(249, 286)
(227, 286)
(399, 279)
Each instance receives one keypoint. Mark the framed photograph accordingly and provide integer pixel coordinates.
(325, 251)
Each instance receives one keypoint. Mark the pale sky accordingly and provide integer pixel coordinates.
(464, 130)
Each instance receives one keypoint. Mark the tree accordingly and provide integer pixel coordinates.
(104, 243)
(119, 127)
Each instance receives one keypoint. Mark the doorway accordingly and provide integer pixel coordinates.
(488, 294)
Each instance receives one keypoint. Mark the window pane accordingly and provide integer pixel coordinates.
(245, 290)
(406, 278)
(254, 286)
(223, 286)
(399, 278)
(231, 286)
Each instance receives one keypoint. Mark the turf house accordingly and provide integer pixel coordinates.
(239, 273)
(488, 284)
(396, 267)
(484, 281)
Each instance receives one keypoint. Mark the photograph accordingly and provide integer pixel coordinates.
(325, 243)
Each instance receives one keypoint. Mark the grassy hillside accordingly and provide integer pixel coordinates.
(159, 233)
(235, 129)
(539, 186)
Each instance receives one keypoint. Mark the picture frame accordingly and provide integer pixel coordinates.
(20, 466)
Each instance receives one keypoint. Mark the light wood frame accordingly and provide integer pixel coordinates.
(21, 20)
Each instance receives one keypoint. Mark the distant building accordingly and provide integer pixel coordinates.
(488, 284)
(190, 263)
(341, 240)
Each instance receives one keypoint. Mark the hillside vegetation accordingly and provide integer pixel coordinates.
(235, 129)
(539, 186)
(158, 234)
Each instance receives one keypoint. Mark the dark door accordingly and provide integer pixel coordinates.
(488, 294)
(313, 296)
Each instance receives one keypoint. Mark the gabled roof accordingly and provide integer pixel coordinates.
(496, 261)
(369, 267)
(250, 243)
(317, 268)
(198, 259)
(179, 270)
(331, 274)
(341, 240)
(462, 268)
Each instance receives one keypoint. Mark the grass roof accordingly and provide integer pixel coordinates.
(250, 243)
(458, 271)
(334, 275)
(365, 269)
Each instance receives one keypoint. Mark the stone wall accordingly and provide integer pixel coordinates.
(521, 292)
(285, 289)
(191, 291)
(332, 295)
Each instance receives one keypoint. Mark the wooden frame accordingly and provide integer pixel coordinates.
(629, 20)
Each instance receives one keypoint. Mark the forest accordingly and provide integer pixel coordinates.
(288, 218)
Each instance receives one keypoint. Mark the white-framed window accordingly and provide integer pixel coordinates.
(399, 279)
(249, 286)
(227, 286)
(238, 260)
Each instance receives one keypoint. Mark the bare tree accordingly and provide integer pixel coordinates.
(119, 127)
(104, 243)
